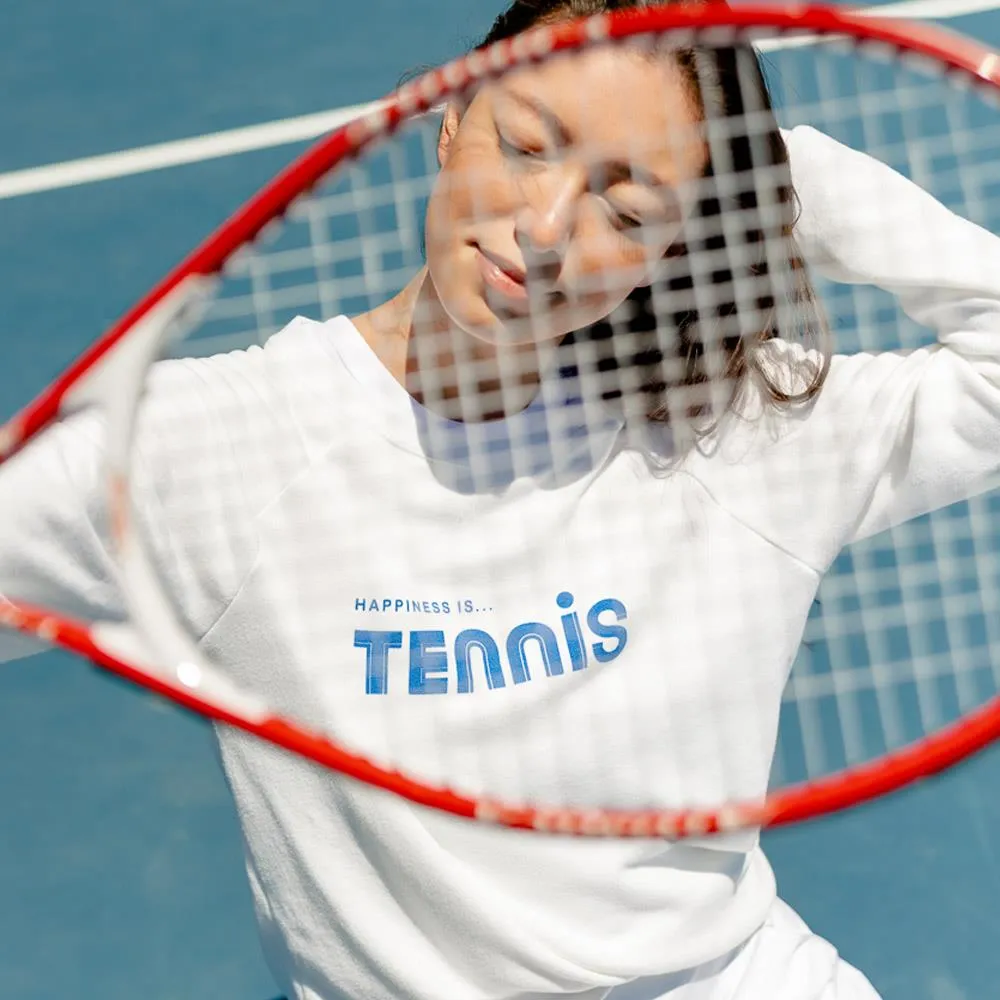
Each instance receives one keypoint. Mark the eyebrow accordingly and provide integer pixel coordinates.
(616, 171)
(552, 120)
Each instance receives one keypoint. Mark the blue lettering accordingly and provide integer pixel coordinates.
(428, 663)
(601, 652)
(547, 643)
(573, 632)
(377, 646)
(474, 638)
(476, 651)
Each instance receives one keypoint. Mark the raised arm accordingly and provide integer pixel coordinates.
(892, 434)
(933, 414)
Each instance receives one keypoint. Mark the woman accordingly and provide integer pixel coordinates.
(532, 322)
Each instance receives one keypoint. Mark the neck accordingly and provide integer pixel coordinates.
(449, 371)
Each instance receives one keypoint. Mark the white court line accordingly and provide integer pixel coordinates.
(160, 156)
(174, 154)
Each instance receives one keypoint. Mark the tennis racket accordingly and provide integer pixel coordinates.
(897, 658)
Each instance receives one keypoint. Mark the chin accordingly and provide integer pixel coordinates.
(500, 333)
(476, 318)
(520, 331)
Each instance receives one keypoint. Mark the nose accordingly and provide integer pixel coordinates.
(545, 223)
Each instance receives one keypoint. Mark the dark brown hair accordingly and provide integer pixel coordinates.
(670, 335)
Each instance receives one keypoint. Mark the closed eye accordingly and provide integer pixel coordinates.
(627, 221)
(513, 150)
(642, 209)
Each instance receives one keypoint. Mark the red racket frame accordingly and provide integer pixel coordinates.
(977, 64)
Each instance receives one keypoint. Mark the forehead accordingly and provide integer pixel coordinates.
(611, 101)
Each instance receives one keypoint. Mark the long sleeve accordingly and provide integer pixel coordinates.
(193, 448)
(53, 549)
(938, 408)
(893, 433)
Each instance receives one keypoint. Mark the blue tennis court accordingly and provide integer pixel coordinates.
(121, 870)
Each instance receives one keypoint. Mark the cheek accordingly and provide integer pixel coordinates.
(473, 187)
(438, 227)
(446, 231)
(609, 265)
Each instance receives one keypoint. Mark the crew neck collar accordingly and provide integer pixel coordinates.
(554, 439)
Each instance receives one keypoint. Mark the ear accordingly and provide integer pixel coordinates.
(449, 126)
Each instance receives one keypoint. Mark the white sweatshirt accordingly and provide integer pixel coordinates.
(319, 553)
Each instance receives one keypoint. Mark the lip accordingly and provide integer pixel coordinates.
(501, 275)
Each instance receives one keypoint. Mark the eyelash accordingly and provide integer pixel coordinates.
(626, 222)
(622, 223)
(514, 151)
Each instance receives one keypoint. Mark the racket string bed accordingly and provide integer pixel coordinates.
(899, 661)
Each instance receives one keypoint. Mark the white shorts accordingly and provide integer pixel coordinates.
(784, 960)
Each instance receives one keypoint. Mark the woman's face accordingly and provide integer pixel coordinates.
(562, 185)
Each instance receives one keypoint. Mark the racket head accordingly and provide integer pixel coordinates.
(112, 375)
